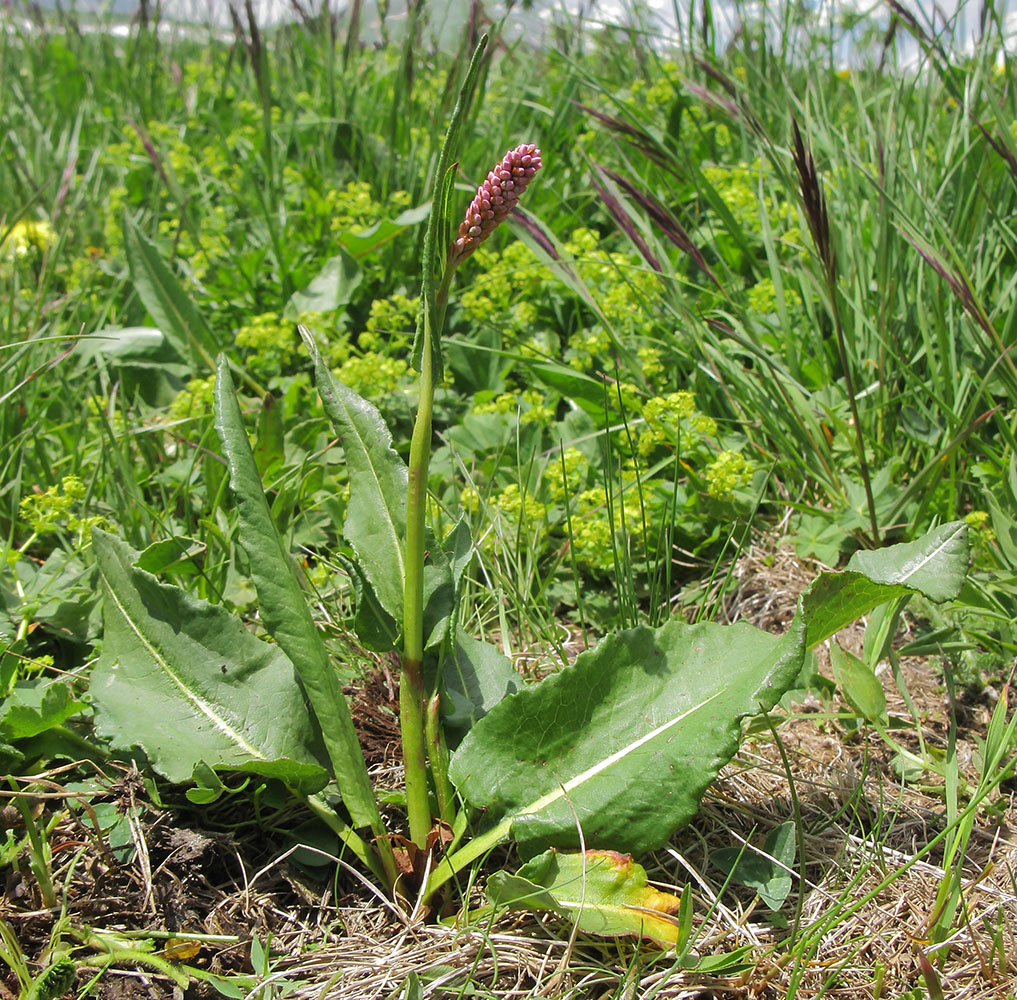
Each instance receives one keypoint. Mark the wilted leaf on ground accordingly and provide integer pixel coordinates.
(604, 892)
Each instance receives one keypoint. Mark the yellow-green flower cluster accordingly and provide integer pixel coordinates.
(196, 400)
(52, 509)
(372, 374)
(596, 533)
(518, 507)
(620, 283)
(762, 298)
(390, 323)
(981, 531)
(531, 405)
(270, 343)
(354, 207)
(504, 286)
(738, 186)
(197, 259)
(665, 416)
(652, 364)
(24, 237)
(729, 471)
(564, 483)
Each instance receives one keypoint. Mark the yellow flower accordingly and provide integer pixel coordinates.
(25, 235)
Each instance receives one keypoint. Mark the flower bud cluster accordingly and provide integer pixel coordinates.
(495, 198)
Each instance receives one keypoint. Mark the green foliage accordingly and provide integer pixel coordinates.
(667, 359)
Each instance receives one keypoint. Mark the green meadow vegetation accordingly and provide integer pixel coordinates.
(618, 600)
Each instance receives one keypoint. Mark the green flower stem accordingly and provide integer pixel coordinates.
(411, 684)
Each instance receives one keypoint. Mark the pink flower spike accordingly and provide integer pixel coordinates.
(494, 199)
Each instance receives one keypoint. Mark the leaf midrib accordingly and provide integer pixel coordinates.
(202, 706)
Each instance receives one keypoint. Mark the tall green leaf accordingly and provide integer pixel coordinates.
(375, 522)
(185, 682)
(284, 608)
(625, 742)
(438, 222)
(166, 300)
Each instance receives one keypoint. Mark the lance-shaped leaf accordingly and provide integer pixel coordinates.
(375, 522)
(625, 742)
(166, 299)
(604, 892)
(185, 682)
(284, 609)
(934, 565)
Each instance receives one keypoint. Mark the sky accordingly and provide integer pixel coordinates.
(957, 20)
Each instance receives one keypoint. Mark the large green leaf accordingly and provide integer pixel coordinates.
(375, 524)
(185, 682)
(475, 678)
(166, 299)
(604, 892)
(934, 565)
(330, 289)
(284, 608)
(625, 742)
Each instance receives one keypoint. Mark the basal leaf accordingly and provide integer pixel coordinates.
(166, 300)
(766, 872)
(605, 892)
(475, 679)
(859, 684)
(375, 524)
(185, 682)
(284, 609)
(35, 706)
(935, 565)
(626, 741)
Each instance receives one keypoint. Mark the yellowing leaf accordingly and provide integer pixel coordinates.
(605, 892)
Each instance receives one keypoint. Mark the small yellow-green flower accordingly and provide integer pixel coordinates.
(726, 473)
(372, 374)
(48, 510)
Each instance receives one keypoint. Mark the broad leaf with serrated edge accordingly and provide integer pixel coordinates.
(604, 892)
(625, 742)
(185, 682)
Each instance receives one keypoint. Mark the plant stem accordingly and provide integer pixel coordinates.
(383, 870)
(411, 685)
(451, 864)
(438, 750)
